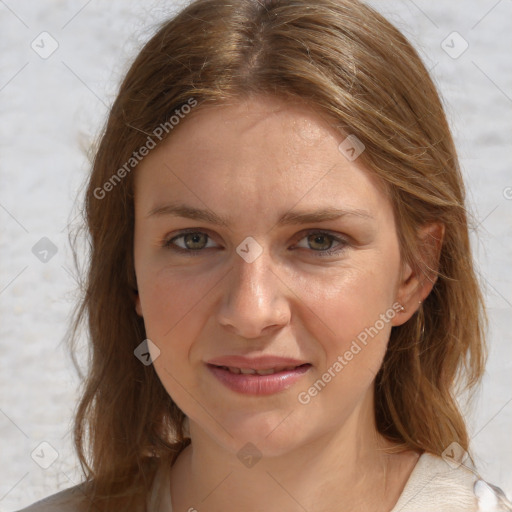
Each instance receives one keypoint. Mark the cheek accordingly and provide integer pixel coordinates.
(351, 298)
(175, 309)
(168, 295)
(355, 309)
(356, 313)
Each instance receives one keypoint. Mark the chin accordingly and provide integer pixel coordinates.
(267, 434)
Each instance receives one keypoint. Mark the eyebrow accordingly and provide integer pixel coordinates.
(287, 218)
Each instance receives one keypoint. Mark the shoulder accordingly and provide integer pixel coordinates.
(80, 497)
(73, 499)
(434, 484)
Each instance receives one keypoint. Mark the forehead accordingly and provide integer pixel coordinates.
(266, 150)
(248, 126)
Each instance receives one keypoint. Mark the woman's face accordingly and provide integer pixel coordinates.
(242, 249)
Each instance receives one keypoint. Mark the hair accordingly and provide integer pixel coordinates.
(356, 69)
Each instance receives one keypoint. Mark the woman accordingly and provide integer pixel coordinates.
(281, 297)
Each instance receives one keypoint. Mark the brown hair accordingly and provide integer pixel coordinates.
(354, 67)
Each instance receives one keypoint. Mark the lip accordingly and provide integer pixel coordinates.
(256, 363)
(259, 384)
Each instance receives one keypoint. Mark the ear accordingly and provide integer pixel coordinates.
(136, 299)
(416, 284)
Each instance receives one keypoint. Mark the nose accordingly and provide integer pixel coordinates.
(254, 300)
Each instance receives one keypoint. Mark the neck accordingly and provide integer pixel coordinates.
(352, 468)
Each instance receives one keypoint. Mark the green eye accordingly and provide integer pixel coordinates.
(190, 241)
(319, 243)
(195, 241)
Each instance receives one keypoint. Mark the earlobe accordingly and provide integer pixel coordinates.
(138, 307)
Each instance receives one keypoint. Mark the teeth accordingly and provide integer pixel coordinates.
(266, 372)
(231, 369)
(250, 371)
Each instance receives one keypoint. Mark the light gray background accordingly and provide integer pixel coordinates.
(50, 111)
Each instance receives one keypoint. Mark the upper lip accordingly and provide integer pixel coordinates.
(256, 363)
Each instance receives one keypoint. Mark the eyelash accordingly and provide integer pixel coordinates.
(168, 243)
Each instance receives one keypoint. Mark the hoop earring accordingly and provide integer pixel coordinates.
(420, 324)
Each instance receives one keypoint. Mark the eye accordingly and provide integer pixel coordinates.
(190, 241)
(322, 242)
(193, 242)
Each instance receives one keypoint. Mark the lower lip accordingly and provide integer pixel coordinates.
(253, 384)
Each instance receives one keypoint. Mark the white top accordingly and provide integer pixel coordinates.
(433, 485)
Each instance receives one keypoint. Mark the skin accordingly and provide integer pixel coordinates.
(249, 162)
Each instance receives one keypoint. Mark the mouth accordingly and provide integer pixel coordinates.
(268, 371)
(261, 381)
